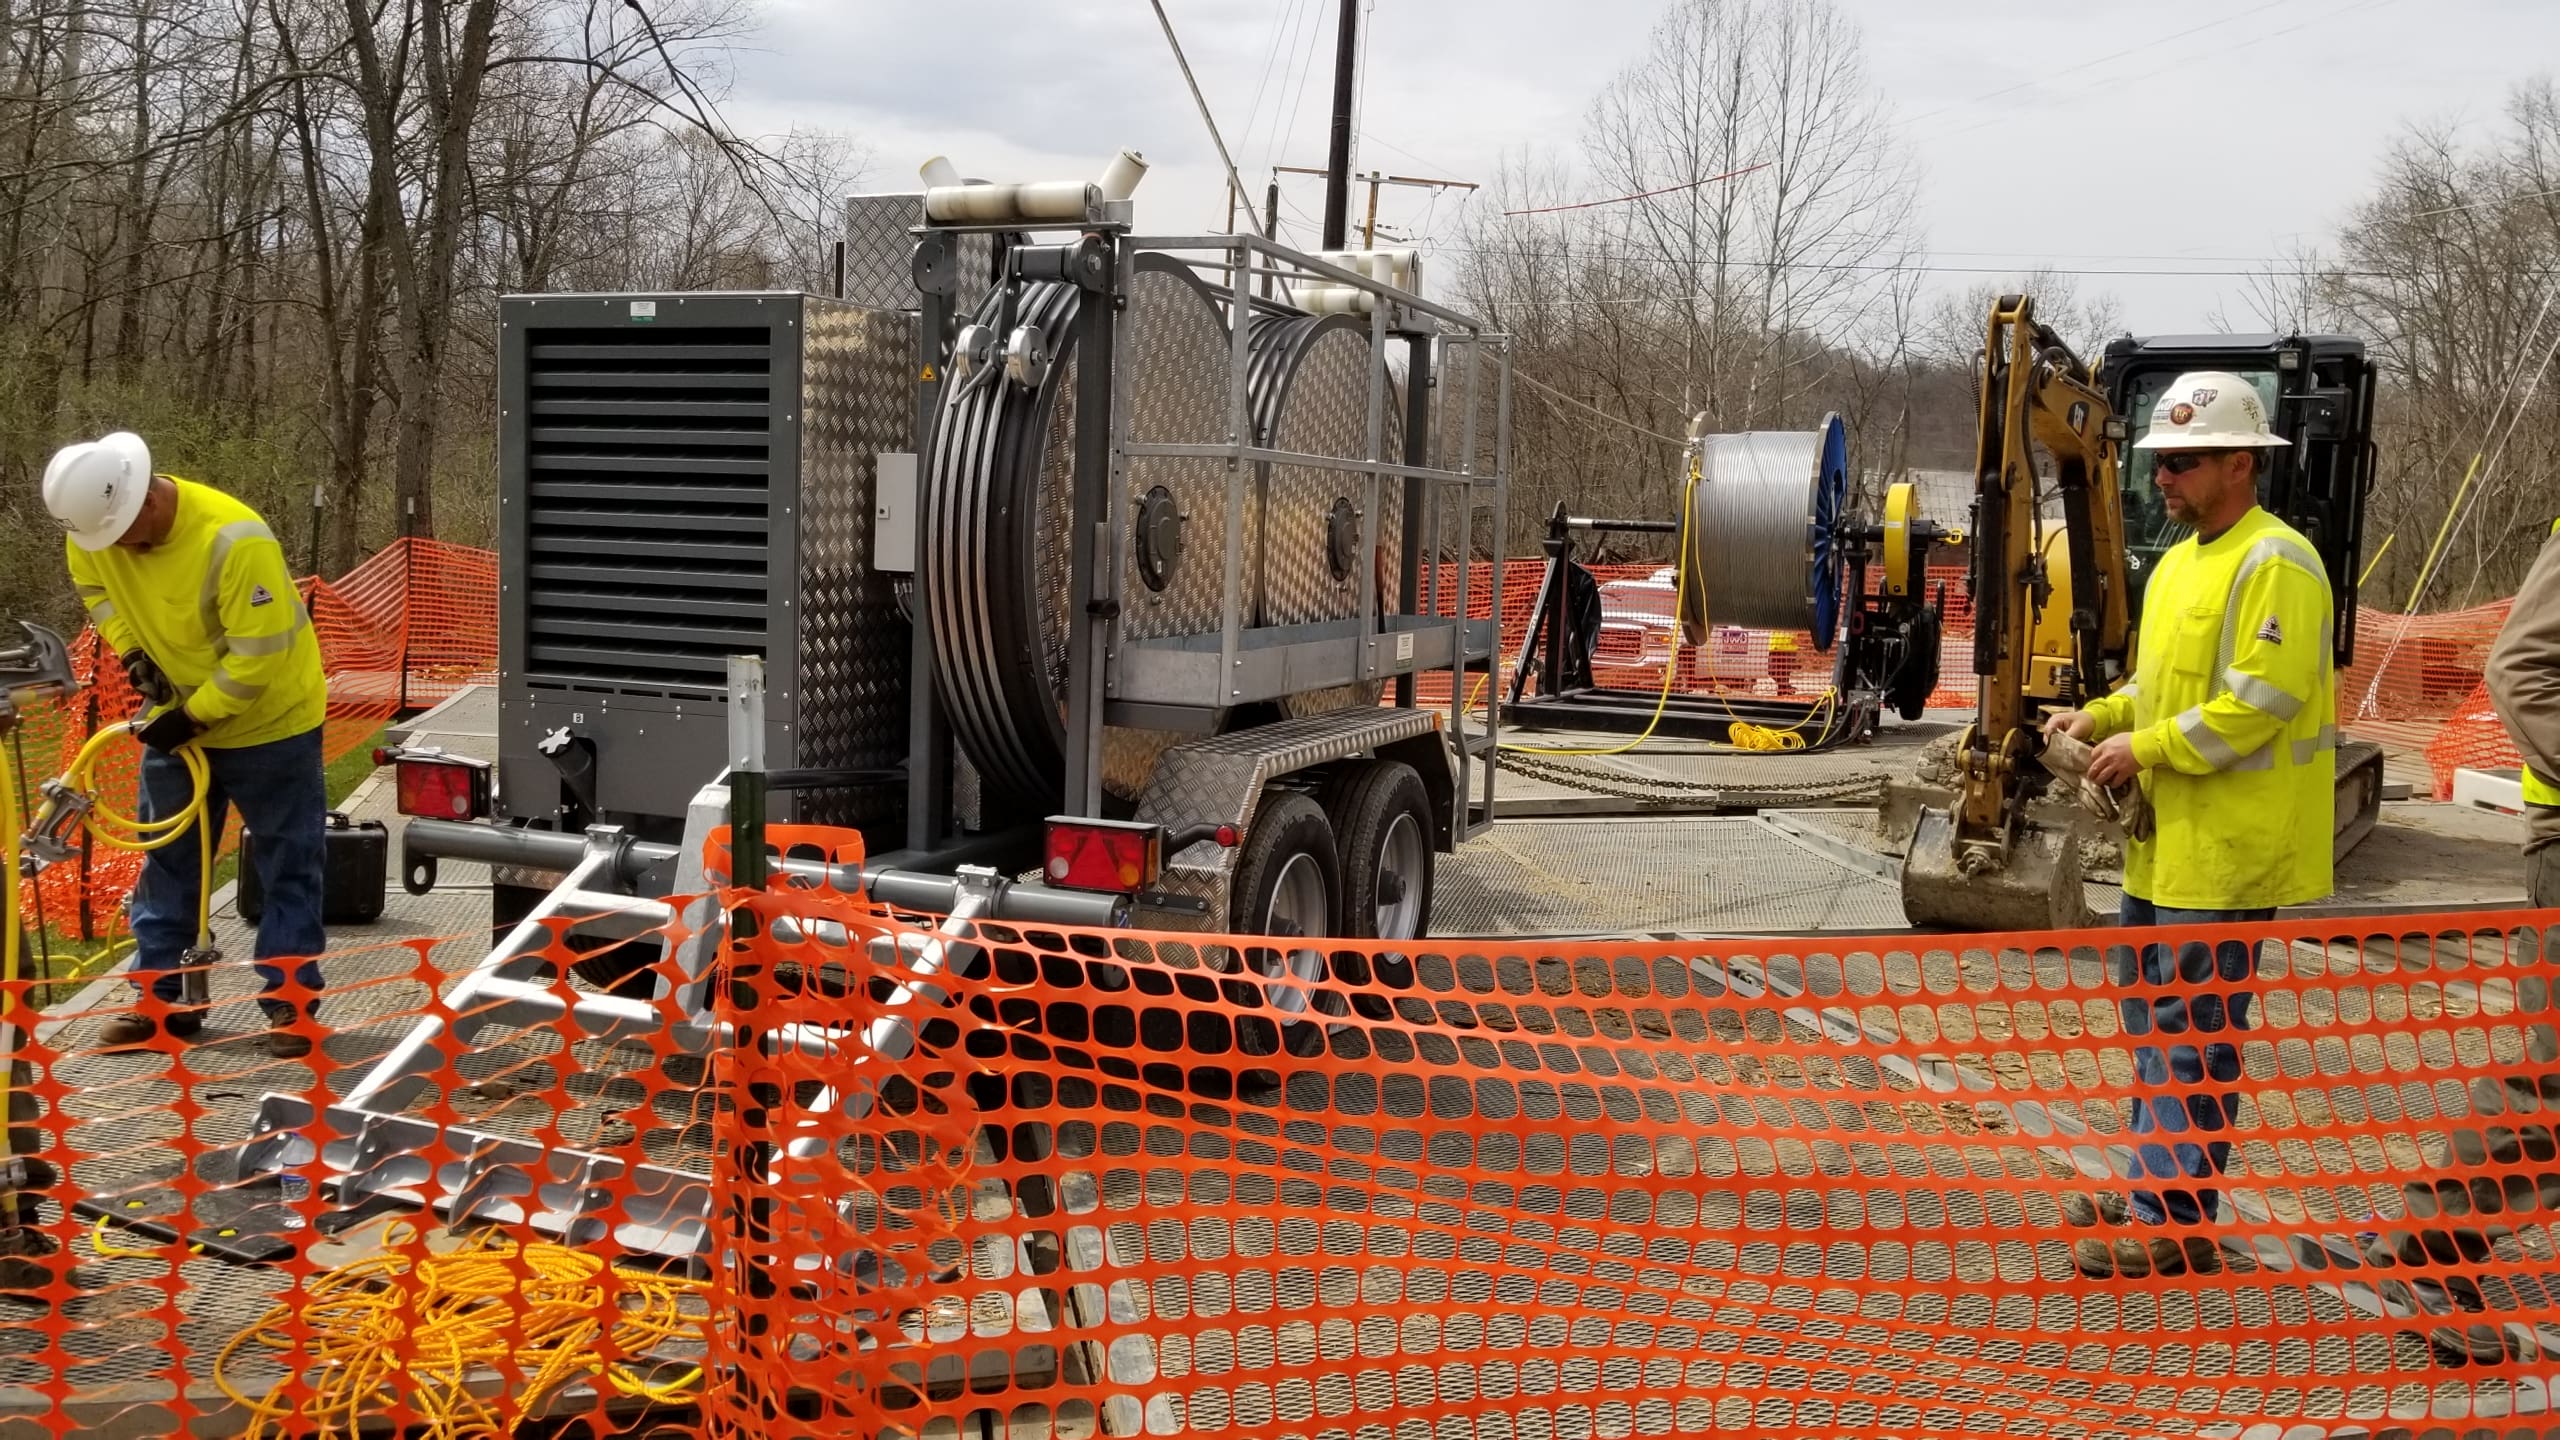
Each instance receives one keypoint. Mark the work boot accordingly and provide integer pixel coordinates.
(283, 1041)
(133, 1029)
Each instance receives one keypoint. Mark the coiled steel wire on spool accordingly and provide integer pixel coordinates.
(1761, 530)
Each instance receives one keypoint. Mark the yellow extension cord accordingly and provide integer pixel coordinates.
(536, 1310)
(1740, 734)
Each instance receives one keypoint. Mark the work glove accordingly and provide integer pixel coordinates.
(169, 729)
(2126, 805)
(147, 678)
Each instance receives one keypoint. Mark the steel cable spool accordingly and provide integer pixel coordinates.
(997, 510)
(1761, 530)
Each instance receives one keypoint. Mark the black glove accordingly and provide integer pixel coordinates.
(169, 729)
(147, 678)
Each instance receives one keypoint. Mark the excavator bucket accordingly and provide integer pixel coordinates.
(2038, 889)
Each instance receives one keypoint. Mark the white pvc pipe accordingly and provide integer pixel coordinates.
(1120, 178)
(939, 173)
(1045, 201)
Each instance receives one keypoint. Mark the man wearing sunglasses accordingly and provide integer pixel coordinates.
(2230, 726)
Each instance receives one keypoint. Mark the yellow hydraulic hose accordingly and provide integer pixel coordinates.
(118, 831)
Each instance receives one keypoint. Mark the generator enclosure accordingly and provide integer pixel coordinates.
(681, 478)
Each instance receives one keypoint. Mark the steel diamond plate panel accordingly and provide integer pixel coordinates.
(1221, 779)
(1323, 409)
(855, 401)
(878, 247)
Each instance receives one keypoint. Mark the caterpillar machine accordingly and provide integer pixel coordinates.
(2058, 566)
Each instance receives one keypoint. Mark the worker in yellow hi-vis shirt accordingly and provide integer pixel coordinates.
(2230, 726)
(190, 588)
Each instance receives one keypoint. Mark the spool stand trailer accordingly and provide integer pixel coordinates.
(1887, 657)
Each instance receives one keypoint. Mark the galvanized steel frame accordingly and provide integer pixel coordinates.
(1285, 653)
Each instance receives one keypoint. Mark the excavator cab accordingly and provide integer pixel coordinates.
(2318, 392)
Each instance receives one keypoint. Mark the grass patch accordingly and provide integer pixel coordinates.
(63, 957)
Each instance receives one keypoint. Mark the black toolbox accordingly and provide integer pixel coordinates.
(359, 860)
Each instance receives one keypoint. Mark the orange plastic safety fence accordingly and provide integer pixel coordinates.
(1639, 636)
(1466, 1190)
(1064, 1185)
(2415, 683)
(405, 629)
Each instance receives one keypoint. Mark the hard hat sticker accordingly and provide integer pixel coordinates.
(2181, 413)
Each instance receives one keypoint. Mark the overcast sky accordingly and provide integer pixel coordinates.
(2093, 137)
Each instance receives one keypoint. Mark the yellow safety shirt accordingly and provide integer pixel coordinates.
(2538, 791)
(2234, 712)
(216, 610)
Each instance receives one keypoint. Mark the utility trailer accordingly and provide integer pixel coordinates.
(1112, 605)
(1180, 655)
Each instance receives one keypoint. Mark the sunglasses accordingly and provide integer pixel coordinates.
(2179, 462)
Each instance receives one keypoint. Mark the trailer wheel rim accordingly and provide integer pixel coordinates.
(1404, 861)
(1300, 904)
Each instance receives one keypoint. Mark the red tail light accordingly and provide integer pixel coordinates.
(1120, 856)
(441, 787)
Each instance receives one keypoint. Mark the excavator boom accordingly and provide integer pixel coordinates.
(1980, 864)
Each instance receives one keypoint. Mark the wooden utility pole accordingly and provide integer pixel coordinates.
(1374, 180)
(1337, 164)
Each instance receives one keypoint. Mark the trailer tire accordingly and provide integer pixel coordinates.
(1382, 818)
(1290, 873)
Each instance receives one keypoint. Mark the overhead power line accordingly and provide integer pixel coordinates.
(1534, 383)
(1990, 95)
(2479, 204)
(1877, 267)
(1643, 194)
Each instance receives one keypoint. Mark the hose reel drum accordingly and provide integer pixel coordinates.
(997, 505)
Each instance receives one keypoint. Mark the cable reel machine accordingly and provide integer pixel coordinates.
(1770, 541)
(1180, 536)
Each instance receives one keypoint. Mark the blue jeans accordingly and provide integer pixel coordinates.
(2223, 970)
(281, 791)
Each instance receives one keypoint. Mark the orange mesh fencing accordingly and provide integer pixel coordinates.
(2415, 684)
(1055, 1185)
(1639, 637)
(1147, 1185)
(405, 629)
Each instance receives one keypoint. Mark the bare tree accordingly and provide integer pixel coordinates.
(270, 233)
(2451, 272)
(1761, 274)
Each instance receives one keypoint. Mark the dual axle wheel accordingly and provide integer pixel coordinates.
(1355, 860)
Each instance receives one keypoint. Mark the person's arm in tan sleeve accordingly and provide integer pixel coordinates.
(2524, 665)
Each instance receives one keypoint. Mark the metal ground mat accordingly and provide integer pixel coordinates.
(1778, 872)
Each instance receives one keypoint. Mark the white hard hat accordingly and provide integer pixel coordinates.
(95, 488)
(2209, 410)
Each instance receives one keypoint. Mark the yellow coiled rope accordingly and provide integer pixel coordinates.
(552, 1314)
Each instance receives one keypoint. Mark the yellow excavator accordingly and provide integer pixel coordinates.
(2060, 550)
